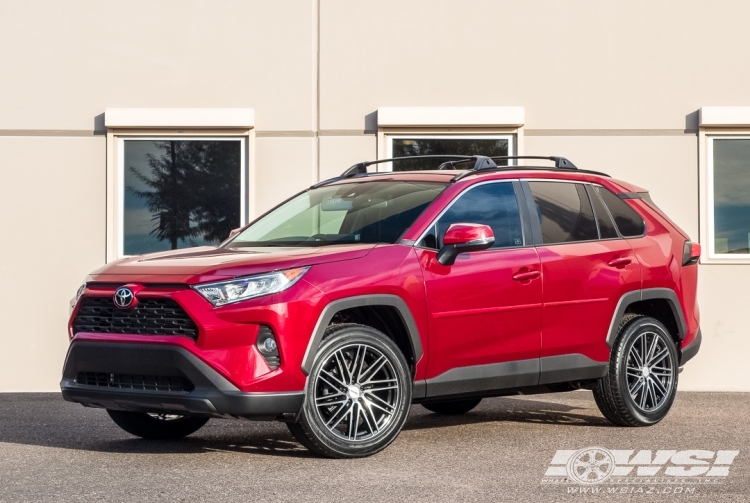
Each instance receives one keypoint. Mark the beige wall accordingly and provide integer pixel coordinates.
(53, 234)
(613, 86)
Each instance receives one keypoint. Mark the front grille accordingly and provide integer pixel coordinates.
(149, 317)
(135, 381)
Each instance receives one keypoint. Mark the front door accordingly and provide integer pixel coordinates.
(484, 310)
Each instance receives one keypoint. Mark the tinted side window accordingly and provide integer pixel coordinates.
(492, 204)
(565, 212)
(628, 221)
(607, 228)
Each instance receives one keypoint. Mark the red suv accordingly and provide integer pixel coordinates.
(342, 306)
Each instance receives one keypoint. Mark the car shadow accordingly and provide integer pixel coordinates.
(510, 410)
(44, 419)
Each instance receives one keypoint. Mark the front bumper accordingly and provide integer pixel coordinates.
(211, 394)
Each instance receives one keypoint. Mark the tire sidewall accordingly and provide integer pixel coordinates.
(346, 337)
(632, 331)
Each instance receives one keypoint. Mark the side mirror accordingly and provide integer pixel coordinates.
(463, 238)
(234, 232)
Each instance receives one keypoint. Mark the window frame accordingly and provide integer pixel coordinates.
(707, 197)
(116, 173)
(389, 137)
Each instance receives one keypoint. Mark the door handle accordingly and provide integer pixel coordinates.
(526, 275)
(619, 262)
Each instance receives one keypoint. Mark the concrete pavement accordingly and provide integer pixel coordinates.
(51, 450)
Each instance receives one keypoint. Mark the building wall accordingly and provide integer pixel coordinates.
(613, 86)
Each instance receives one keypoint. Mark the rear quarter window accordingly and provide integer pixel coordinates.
(627, 220)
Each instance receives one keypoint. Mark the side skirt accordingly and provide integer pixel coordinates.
(509, 377)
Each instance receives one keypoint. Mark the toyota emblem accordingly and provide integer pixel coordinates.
(124, 297)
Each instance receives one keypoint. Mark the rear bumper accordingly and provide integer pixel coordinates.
(211, 394)
(689, 351)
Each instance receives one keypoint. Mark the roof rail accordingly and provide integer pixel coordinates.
(360, 169)
(481, 164)
(561, 164)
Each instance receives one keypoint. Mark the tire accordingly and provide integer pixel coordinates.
(156, 426)
(358, 372)
(633, 394)
(453, 407)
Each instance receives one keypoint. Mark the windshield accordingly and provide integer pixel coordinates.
(362, 212)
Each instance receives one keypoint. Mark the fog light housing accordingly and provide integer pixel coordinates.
(267, 347)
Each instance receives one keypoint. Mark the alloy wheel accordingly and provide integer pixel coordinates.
(356, 392)
(649, 371)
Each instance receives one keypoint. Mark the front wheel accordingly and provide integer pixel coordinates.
(641, 384)
(358, 394)
(156, 426)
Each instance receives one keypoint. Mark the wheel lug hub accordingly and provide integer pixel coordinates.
(353, 392)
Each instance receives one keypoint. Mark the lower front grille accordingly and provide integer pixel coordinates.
(135, 381)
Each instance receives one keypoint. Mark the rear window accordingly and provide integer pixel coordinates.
(628, 221)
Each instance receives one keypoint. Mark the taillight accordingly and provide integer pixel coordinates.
(691, 252)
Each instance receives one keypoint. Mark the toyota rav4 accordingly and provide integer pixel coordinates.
(341, 307)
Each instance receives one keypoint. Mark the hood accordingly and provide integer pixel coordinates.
(209, 263)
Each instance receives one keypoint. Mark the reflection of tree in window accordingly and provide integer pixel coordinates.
(191, 189)
(403, 147)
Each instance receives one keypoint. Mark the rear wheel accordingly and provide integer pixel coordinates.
(452, 407)
(641, 384)
(358, 394)
(157, 426)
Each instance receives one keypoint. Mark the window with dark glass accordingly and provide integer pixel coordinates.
(628, 221)
(731, 196)
(607, 228)
(492, 204)
(179, 193)
(564, 211)
(407, 147)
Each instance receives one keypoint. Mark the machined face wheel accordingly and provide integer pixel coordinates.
(357, 395)
(356, 392)
(650, 371)
(640, 385)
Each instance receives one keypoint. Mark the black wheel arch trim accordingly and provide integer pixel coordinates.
(647, 294)
(361, 301)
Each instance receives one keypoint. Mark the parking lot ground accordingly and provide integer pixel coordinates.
(51, 450)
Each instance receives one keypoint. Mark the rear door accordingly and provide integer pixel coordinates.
(586, 267)
(484, 318)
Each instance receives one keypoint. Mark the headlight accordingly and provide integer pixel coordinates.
(80, 291)
(250, 287)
